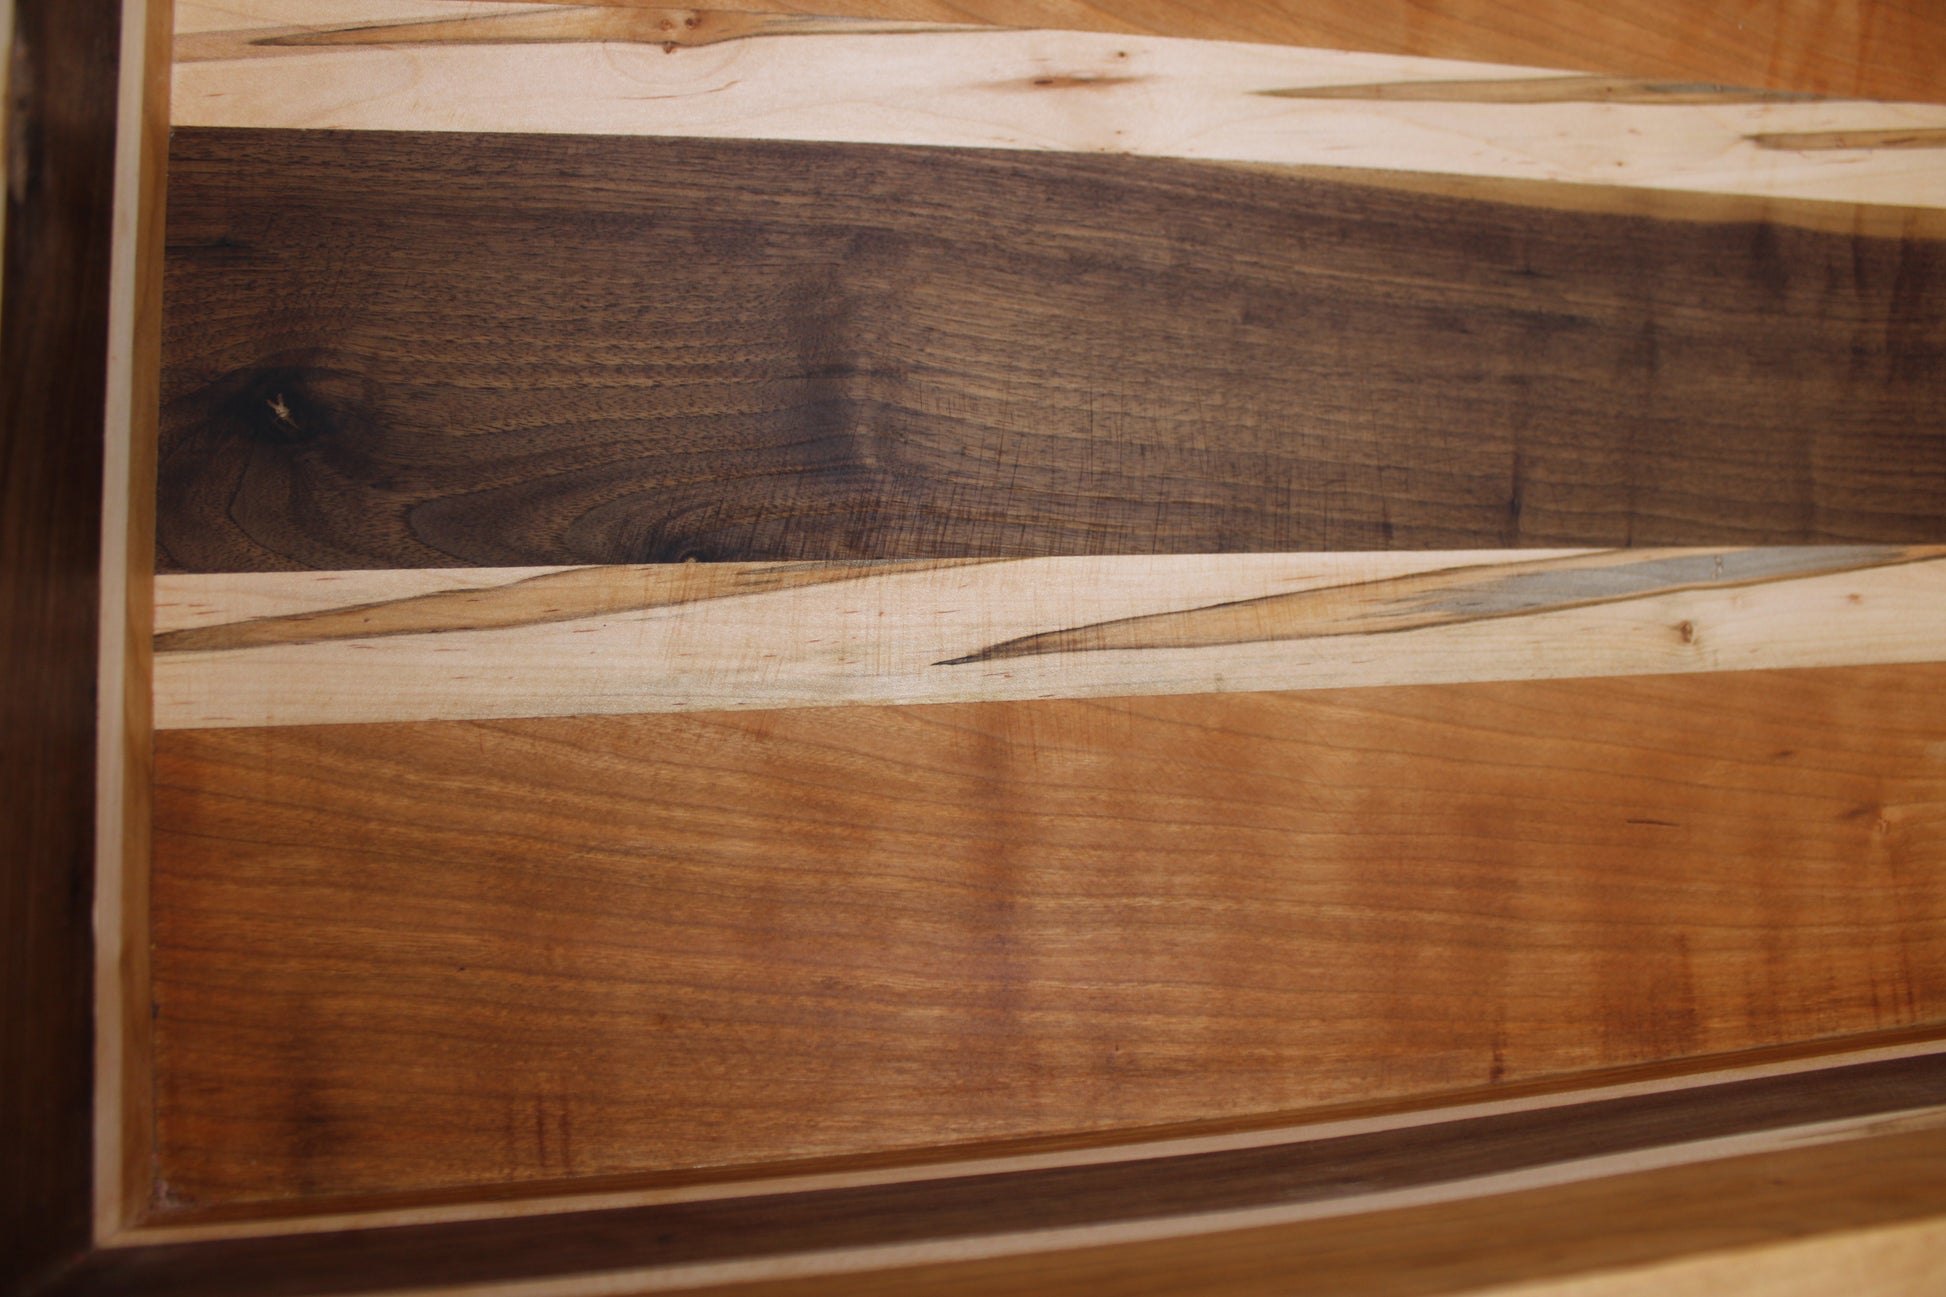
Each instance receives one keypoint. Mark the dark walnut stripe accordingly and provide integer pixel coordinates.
(1853, 1217)
(60, 122)
(743, 1229)
(398, 350)
(408, 958)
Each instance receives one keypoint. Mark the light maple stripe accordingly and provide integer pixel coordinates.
(314, 648)
(638, 71)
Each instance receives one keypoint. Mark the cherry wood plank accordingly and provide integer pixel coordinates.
(445, 350)
(762, 937)
(1047, 1208)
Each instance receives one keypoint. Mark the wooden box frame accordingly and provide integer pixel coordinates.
(1840, 1185)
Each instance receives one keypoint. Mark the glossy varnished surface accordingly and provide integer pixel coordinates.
(394, 958)
(419, 351)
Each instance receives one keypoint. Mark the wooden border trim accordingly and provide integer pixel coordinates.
(1854, 1218)
(1846, 1101)
(124, 1120)
(586, 1194)
(60, 177)
(979, 1159)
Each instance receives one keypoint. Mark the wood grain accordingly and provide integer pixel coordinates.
(1809, 1060)
(638, 71)
(501, 350)
(1863, 1208)
(1869, 49)
(1857, 1218)
(680, 1245)
(763, 937)
(466, 644)
(54, 287)
(125, 741)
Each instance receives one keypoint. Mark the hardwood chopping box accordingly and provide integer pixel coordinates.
(884, 651)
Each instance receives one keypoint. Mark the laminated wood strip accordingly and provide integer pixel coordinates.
(1866, 49)
(764, 937)
(1038, 1210)
(319, 648)
(418, 350)
(641, 71)
(124, 777)
(1855, 1218)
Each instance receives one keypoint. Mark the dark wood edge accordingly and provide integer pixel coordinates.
(940, 1160)
(1345, 1169)
(61, 123)
(1862, 1216)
